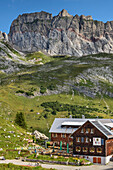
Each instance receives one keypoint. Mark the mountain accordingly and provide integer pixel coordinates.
(63, 34)
(45, 72)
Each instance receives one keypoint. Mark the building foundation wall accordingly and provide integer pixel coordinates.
(104, 160)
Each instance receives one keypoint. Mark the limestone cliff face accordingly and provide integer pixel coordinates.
(63, 34)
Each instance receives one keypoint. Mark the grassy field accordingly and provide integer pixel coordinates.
(58, 72)
(11, 137)
(36, 115)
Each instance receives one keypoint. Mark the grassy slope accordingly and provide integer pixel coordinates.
(11, 104)
(11, 135)
(57, 71)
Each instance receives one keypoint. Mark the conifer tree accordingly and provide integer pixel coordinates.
(20, 120)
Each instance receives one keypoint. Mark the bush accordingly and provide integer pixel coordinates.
(42, 89)
(54, 112)
(20, 91)
(32, 89)
(51, 87)
(29, 93)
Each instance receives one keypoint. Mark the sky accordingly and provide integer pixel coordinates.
(101, 10)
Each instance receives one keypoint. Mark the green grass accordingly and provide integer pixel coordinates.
(39, 57)
(58, 158)
(11, 104)
(11, 166)
(11, 135)
(56, 72)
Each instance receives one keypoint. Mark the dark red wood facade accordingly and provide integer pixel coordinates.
(82, 141)
(65, 138)
(84, 146)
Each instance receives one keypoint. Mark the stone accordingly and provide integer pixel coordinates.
(39, 135)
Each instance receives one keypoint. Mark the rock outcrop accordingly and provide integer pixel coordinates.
(39, 135)
(63, 34)
(3, 36)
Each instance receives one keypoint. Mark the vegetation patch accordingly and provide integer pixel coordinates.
(11, 166)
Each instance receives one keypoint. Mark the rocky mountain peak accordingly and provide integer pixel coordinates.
(62, 34)
(89, 17)
(64, 13)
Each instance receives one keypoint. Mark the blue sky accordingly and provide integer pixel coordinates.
(101, 10)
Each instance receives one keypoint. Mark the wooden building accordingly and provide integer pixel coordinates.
(94, 141)
(91, 138)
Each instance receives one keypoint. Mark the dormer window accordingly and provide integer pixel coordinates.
(82, 130)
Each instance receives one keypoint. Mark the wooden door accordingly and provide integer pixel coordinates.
(99, 160)
(94, 160)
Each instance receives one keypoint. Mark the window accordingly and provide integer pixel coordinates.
(58, 143)
(70, 143)
(92, 130)
(78, 149)
(99, 150)
(92, 149)
(85, 149)
(63, 135)
(54, 135)
(82, 139)
(90, 140)
(82, 130)
(64, 143)
(87, 140)
(102, 141)
(87, 130)
(78, 139)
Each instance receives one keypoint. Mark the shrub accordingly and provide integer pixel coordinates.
(31, 110)
(51, 87)
(42, 89)
(20, 91)
(54, 112)
(29, 93)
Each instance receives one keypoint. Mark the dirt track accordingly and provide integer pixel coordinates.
(62, 167)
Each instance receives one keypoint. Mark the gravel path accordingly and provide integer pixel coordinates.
(62, 167)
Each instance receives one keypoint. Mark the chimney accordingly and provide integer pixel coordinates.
(70, 116)
(83, 117)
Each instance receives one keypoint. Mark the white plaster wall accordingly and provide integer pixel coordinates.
(104, 160)
(108, 158)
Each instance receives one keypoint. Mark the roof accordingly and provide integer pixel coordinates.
(58, 122)
(109, 125)
(56, 126)
(103, 129)
(72, 123)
